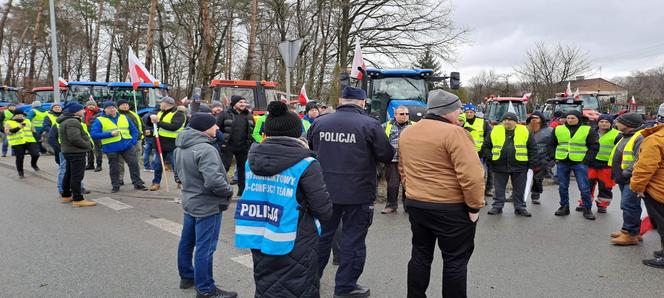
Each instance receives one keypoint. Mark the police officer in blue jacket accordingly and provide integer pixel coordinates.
(349, 143)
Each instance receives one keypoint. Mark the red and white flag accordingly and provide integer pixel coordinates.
(632, 101)
(303, 98)
(358, 63)
(138, 72)
(577, 94)
(62, 82)
(568, 91)
(646, 225)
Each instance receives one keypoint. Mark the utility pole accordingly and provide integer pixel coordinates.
(54, 54)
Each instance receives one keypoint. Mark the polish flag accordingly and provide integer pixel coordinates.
(632, 101)
(646, 225)
(138, 72)
(568, 91)
(358, 63)
(62, 82)
(303, 98)
(577, 94)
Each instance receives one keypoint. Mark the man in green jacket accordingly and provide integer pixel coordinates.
(75, 143)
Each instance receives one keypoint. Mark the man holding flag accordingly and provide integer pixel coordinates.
(169, 122)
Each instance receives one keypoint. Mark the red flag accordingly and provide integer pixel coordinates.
(577, 94)
(358, 63)
(568, 91)
(303, 98)
(62, 82)
(632, 101)
(138, 72)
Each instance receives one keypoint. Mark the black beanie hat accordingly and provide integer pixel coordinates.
(282, 122)
(630, 119)
(202, 121)
(235, 99)
(576, 114)
(310, 105)
(122, 101)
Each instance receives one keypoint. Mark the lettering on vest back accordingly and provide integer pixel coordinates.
(259, 211)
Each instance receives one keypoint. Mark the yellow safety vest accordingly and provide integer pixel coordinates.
(477, 132)
(520, 142)
(38, 119)
(388, 127)
(22, 136)
(138, 123)
(107, 125)
(628, 152)
(52, 117)
(606, 144)
(572, 146)
(306, 124)
(8, 116)
(85, 128)
(167, 119)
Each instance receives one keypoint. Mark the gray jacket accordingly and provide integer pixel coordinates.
(205, 187)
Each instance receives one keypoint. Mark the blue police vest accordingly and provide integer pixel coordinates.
(266, 216)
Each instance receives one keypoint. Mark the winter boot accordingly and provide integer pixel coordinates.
(588, 214)
(563, 210)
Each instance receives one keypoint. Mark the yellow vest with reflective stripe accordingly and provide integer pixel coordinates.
(606, 143)
(520, 140)
(167, 119)
(139, 123)
(107, 125)
(38, 120)
(22, 136)
(572, 146)
(52, 117)
(388, 127)
(628, 152)
(477, 132)
(306, 124)
(8, 116)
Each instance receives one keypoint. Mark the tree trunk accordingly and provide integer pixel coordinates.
(3, 21)
(151, 27)
(207, 48)
(95, 43)
(249, 72)
(110, 47)
(229, 46)
(33, 46)
(14, 56)
(344, 35)
(165, 63)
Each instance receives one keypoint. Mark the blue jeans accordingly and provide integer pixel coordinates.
(147, 150)
(158, 169)
(201, 233)
(630, 204)
(581, 174)
(62, 168)
(5, 146)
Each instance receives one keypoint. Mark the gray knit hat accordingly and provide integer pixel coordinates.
(441, 102)
(36, 104)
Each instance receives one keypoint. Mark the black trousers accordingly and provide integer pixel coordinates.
(455, 233)
(393, 178)
(95, 155)
(656, 215)
(538, 187)
(518, 188)
(71, 184)
(240, 160)
(115, 164)
(19, 152)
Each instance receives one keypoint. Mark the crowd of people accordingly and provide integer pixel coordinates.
(307, 185)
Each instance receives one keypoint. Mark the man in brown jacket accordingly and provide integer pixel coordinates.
(648, 181)
(444, 192)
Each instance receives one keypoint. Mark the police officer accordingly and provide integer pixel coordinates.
(480, 130)
(349, 143)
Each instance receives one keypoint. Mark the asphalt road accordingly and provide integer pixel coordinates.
(127, 248)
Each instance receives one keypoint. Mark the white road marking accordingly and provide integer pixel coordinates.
(113, 204)
(245, 260)
(166, 225)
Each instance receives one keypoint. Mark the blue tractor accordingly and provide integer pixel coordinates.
(76, 91)
(390, 88)
(147, 95)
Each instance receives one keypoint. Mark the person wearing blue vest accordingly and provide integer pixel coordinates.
(118, 137)
(349, 144)
(277, 216)
(205, 195)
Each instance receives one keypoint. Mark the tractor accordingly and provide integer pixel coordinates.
(146, 95)
(257, 93)
(8, 95)
(496, 107)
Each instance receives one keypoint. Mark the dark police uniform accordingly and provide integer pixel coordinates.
(348, 143)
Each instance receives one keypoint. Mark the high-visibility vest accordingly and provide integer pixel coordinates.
(22, 136)
(628, 152)
(107, 125)
(139, 124)
(52, 117)
(8, 116)
(572, 146)
(520, 140)
(606, 143)
(267, 215)
(306, 124)
(388, 127)
(38, 120)
(477, 132)
(164, 133)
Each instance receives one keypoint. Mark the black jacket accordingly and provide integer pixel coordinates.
(592, 143)
(168, 144)
(349, 144)
(237, 128)
(507, 162)
(294, 274)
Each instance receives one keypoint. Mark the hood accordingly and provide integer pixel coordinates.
(276, 154)
(65, 116)
(190, 137)
(653, 130)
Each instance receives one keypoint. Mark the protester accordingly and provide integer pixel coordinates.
(36, 115)
(513, 152)
(542, 133)
(393, 129)
(205, 194)
(558, 119)
(149, 146)
(599, 172)
(648, 181)
(621, 161)
(95, 155)
(217, 108)
(573, 146)
(349, 144)
(49, 124)
(75, 143)
(237, 124)
(444, 194)
(311, 111)
(118, 137)
(125, 109)
(170, 122)
(480, 130)
(21, 138)
(288, 268)
(5, 116)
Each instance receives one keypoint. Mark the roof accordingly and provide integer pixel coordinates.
(592, 85)
(242, 83)
(49, 88)
(414, 72)
(508, 99)
(86, 83)
(129, 85)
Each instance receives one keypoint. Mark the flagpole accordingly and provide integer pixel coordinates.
(161, 155)
(135, 104)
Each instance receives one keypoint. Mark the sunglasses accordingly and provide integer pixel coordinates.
(403, 114)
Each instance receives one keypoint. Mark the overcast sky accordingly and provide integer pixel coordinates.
(620, 36)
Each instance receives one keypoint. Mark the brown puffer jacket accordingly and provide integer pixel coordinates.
(648, 173)
(438, 165)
